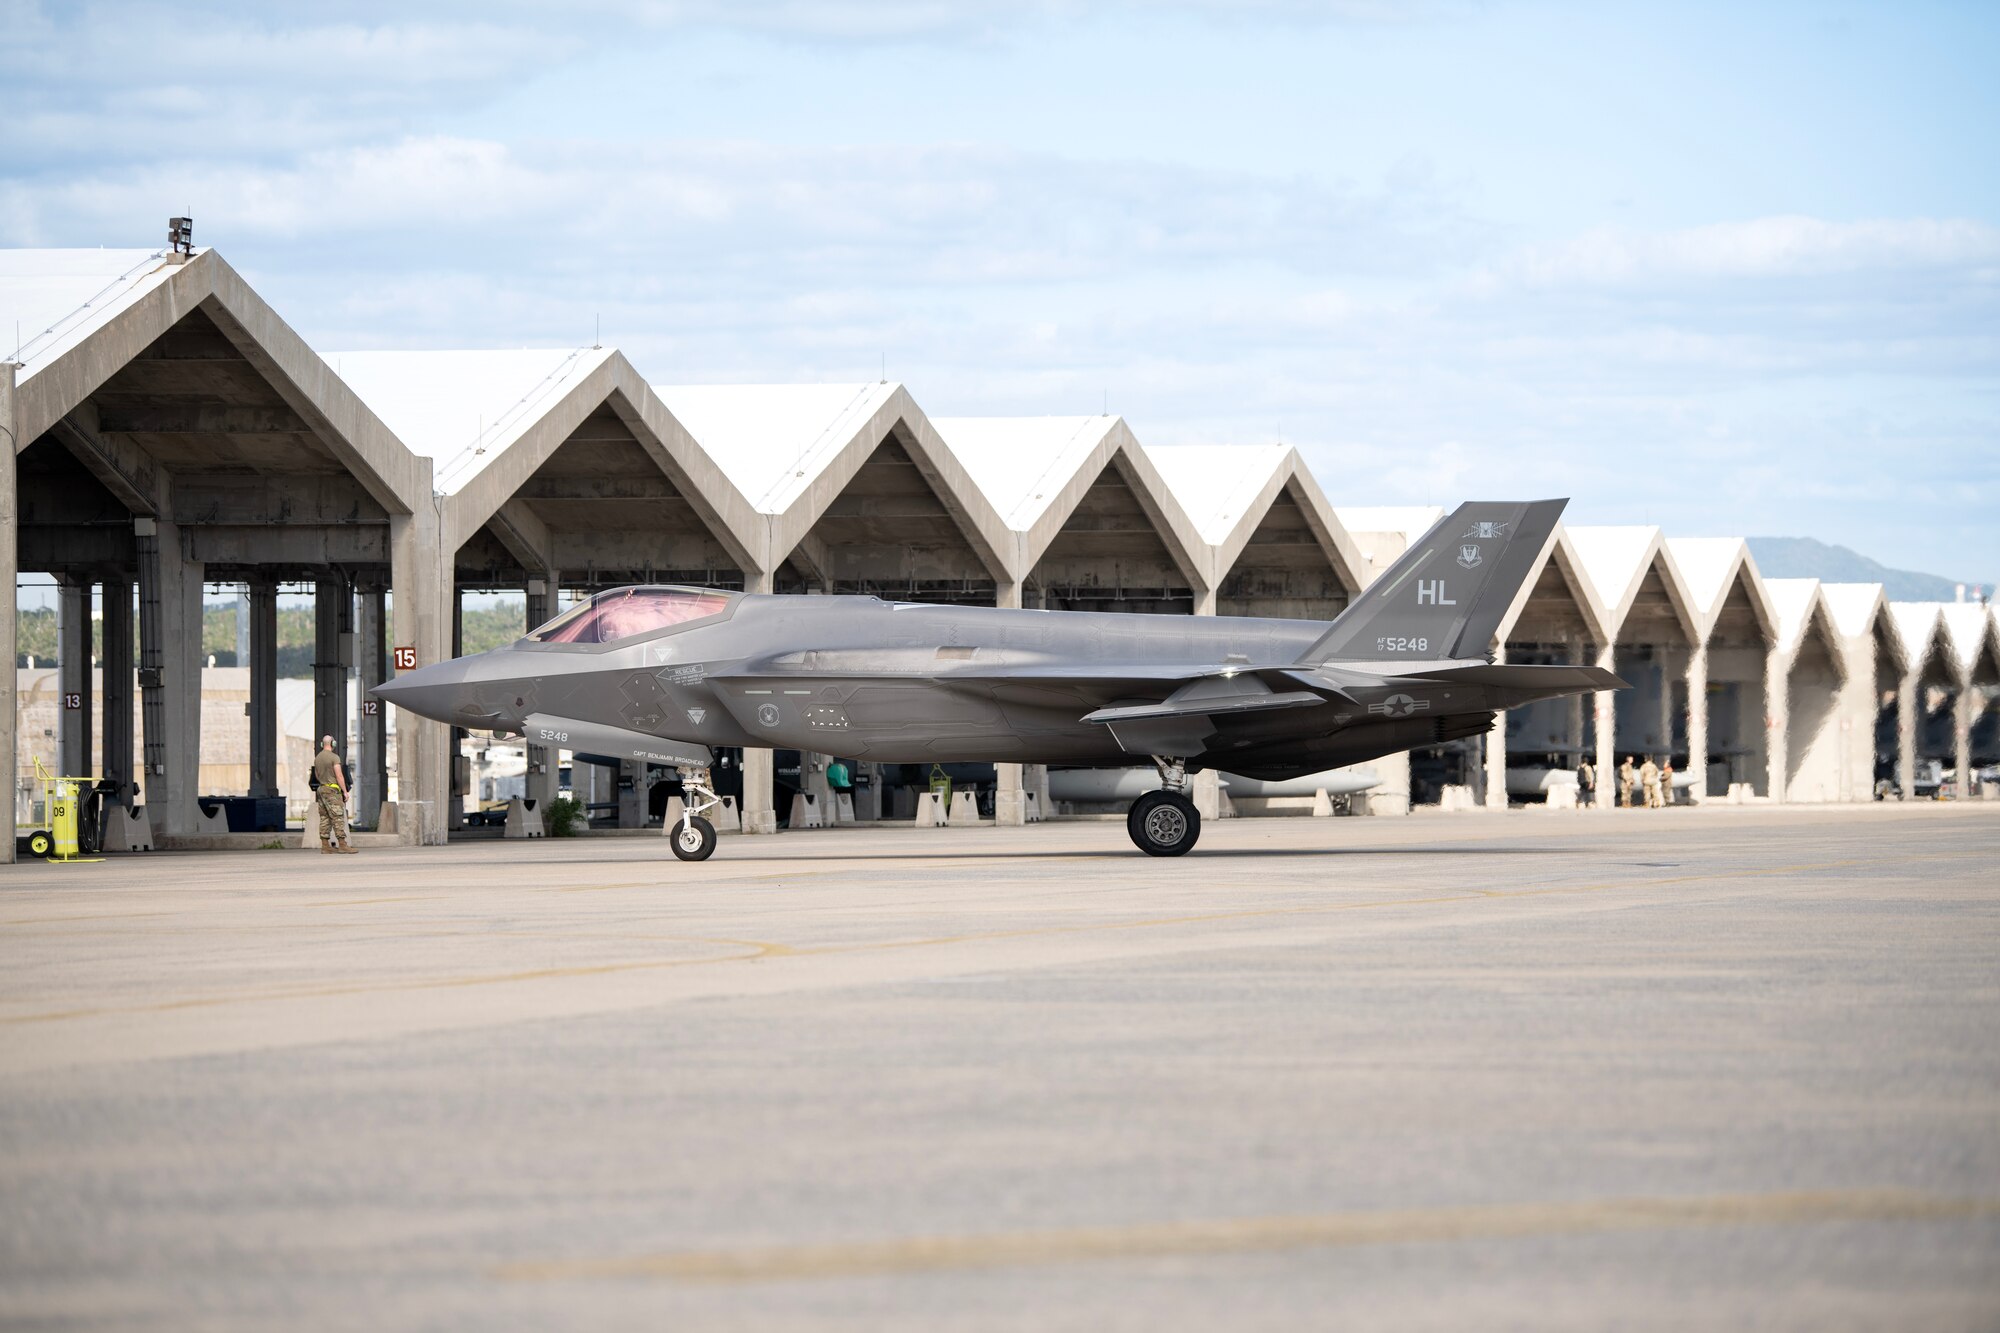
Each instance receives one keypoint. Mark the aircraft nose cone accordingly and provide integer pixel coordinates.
(436, 692)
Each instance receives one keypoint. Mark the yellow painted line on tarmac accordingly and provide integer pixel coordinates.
(760, 949)
(1252, 1235)
(432, 983)
(367, 902)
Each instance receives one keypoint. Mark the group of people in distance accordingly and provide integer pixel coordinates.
(1652, 782)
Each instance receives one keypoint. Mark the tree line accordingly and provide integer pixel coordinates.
(488, 627)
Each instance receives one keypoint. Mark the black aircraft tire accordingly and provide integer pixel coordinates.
(695, 841)
(1163, 823)
(41, 843)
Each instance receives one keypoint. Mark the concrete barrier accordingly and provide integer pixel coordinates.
(523, 820)
(843, 807)
(964, 810)
(1322, 804)
(1454, 798)
(415, 823)
(930, 809)
(1031, 808)
(1562, 796)
(805, 811)
(128, 830)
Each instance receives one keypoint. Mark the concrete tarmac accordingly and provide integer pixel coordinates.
(1730, 1068)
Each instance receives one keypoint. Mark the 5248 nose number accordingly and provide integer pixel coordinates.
(1402, 645)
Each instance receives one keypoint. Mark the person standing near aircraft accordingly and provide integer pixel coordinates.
(330, 790)
(1649, 782)
(1586, 783)
(1627, 776)
(1667, 780)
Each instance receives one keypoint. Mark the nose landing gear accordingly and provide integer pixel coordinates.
(1165, 822)
(693, 838)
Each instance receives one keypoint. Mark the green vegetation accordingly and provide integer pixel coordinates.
(486, 628)
(562, 818)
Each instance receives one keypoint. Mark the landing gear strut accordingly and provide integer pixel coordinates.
(694, 837)
(1165, 822)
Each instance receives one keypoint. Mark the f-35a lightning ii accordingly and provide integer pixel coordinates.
(665, 674)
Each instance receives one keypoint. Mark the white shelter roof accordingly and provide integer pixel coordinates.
(57, 298)
(1971, 625)
(1613, 558)
(1920, 624)
(1021, 464)
(1794, 600)
(462, 409)
(773, 440)
(1216, 483)
(1705, 564)
(1854, 606)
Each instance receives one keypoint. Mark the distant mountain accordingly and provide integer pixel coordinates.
(1805, 558)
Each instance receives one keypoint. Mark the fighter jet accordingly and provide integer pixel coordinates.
(667, 674)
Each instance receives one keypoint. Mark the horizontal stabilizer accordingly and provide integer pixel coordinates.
(1184, 707)
(1509, 676)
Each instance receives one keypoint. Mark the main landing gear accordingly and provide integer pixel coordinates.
(694, 837)
(1165, 822)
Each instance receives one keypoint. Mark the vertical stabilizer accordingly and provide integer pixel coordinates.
(1447, 594)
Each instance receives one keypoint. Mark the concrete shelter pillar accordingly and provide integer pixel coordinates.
(117, 713)
(1206, 786)
(630, 783)
(418, 580)
(330, 596)
(1964, 711)
(73, 673)
(1009, 803)
(1606, 721)
(10, 571)
(759, 814)
(1777, 723)
(1697, 686)
(1496, 750)
(1908, 697)
(371, 767)
(461, 767)
(169, 676)
(544, 762)
(263, 664)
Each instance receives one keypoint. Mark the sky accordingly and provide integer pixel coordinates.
(1731, 269)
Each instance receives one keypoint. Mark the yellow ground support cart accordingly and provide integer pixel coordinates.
(62, 801)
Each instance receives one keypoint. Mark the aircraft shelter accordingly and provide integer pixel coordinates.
(171, 432)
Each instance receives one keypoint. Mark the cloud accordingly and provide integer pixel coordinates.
(1771, 247)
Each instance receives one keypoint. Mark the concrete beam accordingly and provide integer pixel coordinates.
(815, 560)
(188, 417)
(251, 500)
(74, 548)
(126, 470)
(299, 546)
(524, 535)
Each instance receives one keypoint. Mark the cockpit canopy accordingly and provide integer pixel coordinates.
(622, 613)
